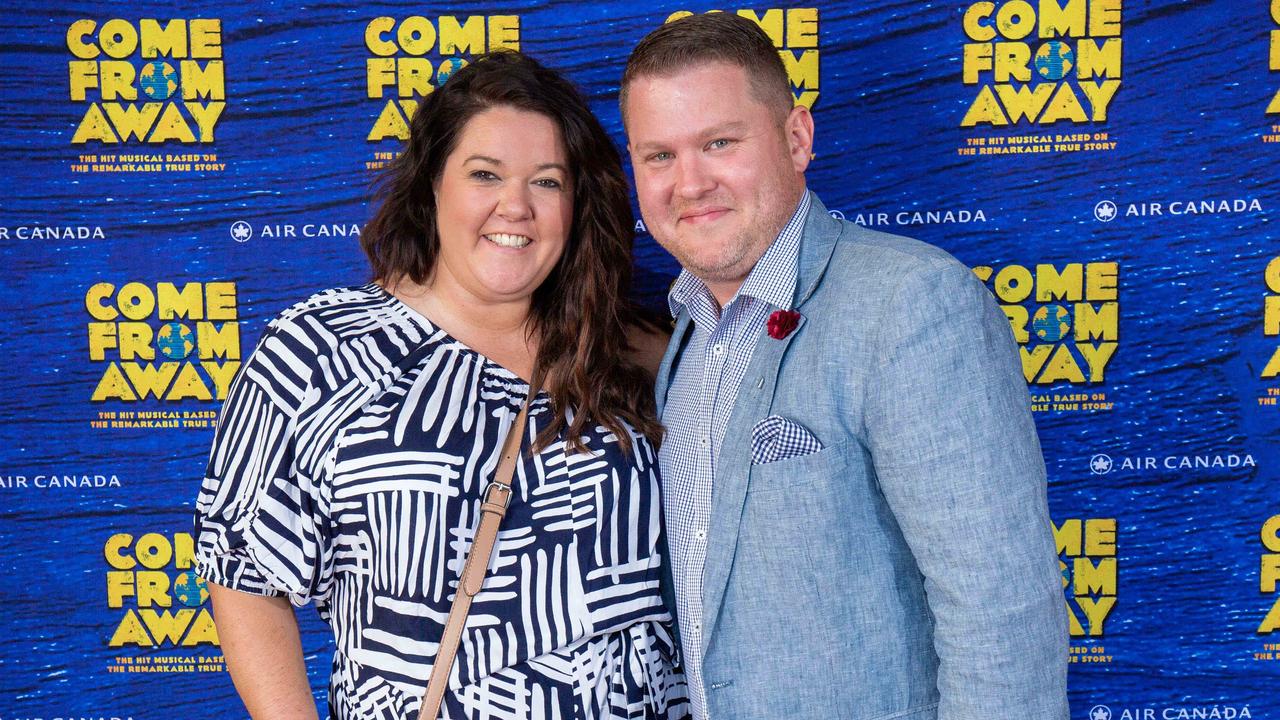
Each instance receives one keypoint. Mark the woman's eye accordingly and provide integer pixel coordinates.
(551, 183)
(483, 175)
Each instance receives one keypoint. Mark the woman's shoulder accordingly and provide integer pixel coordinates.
(334, 307)
(360, 326)
(340, 315)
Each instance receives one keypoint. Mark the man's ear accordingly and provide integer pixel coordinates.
(798, 129)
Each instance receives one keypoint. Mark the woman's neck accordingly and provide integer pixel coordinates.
(498, 330)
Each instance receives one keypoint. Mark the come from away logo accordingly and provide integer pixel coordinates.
(1057, 62)
(1066, 320)
(1268, 578)
(147, 83)
(1087, 559)
(1271, 330)
(159, 605)
(166, 343)
(410, 57)
(794, 32)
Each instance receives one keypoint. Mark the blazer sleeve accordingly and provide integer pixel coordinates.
(949, 426)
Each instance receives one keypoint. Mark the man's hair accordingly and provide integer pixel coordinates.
(707, 38)
(581, 312)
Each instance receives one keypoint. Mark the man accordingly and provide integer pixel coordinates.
(854, 494)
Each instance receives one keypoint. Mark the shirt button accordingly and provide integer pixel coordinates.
(702, 534)
(717, 349)
(704, 442)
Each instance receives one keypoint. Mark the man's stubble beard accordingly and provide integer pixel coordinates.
(722, 272)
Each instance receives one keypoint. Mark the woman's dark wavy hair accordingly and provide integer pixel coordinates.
(581, 311)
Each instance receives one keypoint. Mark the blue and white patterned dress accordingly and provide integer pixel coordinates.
(347, 471)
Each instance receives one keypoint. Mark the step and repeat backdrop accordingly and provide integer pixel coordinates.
(177, 173)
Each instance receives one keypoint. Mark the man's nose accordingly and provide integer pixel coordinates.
(692, 179)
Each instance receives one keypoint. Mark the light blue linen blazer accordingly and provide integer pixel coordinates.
(907, 569)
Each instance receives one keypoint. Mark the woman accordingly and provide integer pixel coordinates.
(354, 448)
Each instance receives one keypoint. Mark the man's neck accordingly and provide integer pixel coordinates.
(723, 292)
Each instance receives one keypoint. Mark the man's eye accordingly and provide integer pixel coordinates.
(719, 143)
(660, 157)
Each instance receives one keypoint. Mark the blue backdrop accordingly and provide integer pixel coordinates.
(175, 174)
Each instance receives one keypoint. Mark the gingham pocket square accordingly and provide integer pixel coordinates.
(777, 438)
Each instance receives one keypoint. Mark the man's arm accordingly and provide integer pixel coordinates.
(956, 454)
(259, 636)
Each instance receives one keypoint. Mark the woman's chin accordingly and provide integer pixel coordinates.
(507, 288)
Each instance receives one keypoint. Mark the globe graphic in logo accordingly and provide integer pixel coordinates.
(448, 68)
(158, 80)
(1054, 60)
(190, 589)
(1051, 323)
(175, 341)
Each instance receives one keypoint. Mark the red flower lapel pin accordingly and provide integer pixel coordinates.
(782, 323)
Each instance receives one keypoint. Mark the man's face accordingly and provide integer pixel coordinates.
(718, 172)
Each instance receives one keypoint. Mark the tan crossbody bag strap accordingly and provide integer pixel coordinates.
(497, 496)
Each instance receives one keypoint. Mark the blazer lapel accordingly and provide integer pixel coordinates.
(821, 231)
(755, 396)
(733, 468)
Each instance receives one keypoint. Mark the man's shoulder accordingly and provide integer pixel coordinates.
(870, 267)
(861, 250)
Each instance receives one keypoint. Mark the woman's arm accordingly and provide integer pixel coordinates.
(259, 637)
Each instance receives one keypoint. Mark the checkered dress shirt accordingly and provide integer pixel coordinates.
(699, 401)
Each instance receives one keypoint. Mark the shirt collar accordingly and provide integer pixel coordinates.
(772, 280)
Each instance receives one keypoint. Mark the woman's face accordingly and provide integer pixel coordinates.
(504, 206)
